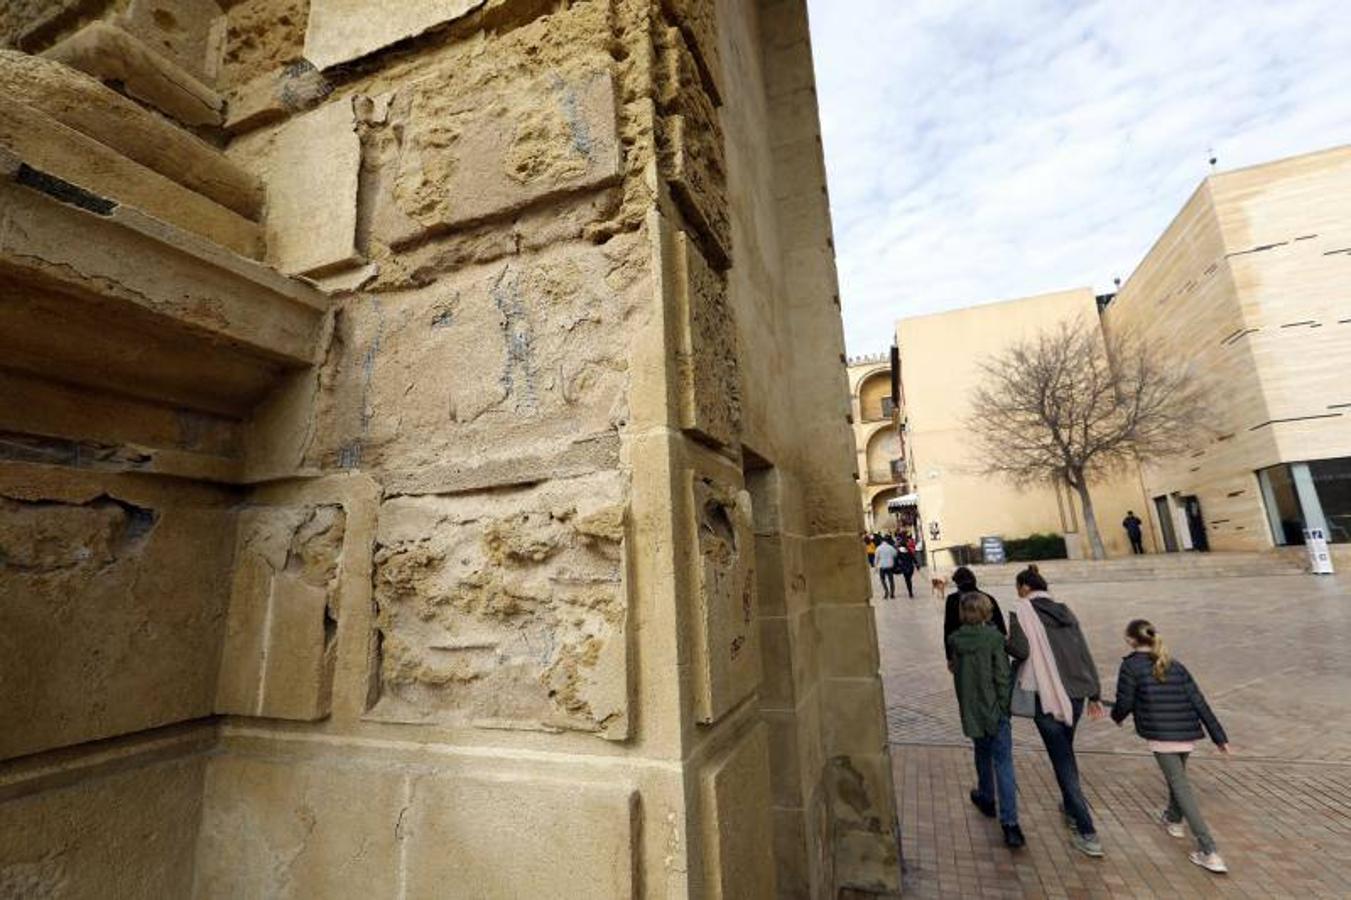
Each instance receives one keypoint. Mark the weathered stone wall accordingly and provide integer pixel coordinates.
(535, 575)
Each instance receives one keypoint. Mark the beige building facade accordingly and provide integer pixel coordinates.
(426, 467)
(877, 441)
(1247, 288)
(1249, 285)
(940, 365)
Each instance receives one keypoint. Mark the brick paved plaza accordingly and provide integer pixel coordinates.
(1274, 657)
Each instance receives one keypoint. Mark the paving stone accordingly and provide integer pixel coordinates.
(1273, 657)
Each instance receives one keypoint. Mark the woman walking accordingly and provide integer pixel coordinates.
(1169, 711)
(981, 675)
(1060, 682)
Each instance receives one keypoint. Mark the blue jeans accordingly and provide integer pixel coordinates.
(994, 772)
(1059, 740)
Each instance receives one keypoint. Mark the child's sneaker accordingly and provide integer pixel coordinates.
(1211, 862)
(1174, 829)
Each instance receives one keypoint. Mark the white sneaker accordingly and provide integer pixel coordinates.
(1175, 829)
(1211, 862)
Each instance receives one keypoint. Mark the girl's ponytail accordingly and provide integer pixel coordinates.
(1145, 634)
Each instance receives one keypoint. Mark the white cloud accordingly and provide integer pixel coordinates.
(986, 150)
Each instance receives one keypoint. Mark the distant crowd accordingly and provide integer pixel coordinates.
(891, 555)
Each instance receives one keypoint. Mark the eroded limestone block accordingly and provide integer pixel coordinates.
(311, 176)
(465, 154)
(111, 597)
(698, 20)
(343, 30)
(260, 37)
(729, 666)
(505, 609)
(524, 358)
(691, 148)
(710, 395)
(280, 640)
(738, 831)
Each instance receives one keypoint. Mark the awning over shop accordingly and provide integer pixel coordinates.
(896, 504)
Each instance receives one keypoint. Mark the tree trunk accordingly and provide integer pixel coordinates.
(1080, 485)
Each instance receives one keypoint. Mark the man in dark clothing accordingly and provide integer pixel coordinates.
(965, 580)
(1132, 525)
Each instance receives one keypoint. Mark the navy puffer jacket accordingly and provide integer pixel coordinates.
(1170, 710)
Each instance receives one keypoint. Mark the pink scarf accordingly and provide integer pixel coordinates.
(1040, 672)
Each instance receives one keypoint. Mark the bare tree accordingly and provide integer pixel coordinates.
(1071, 406)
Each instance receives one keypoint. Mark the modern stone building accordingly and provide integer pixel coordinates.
(425, 465)
(940, 359)
(1247, 286)
(877, 440)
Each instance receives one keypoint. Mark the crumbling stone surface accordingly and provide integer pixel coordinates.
(698, 20)
(525, 355)
(491, 148)
(729, 667)
(710, 381)
(505, 609)
(280, 639)
(691, 147)
(111, 600)
(262, 36)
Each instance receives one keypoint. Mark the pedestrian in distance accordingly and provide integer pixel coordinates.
(965, 581)
(1170, 712)
(1055, 685)
(887, 555)
(905, 566)
(983, 679)
(1134, 531)
(870, 544)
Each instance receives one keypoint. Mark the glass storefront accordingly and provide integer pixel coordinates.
(1332, 481)
(1318, 492)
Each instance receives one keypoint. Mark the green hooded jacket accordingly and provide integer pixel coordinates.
(983, 678)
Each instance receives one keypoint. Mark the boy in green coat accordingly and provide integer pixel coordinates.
(984, 682)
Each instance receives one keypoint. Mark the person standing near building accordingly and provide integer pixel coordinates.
(1134, 531)
(870, 544)
(1169, 711)
(886, 567)
(983, 680)
(1060, 680)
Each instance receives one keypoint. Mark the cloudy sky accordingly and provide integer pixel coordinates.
(981, 150)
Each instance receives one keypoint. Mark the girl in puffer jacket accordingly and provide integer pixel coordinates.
(1170, 711)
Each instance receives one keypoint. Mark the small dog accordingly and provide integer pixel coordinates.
(939, 585)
